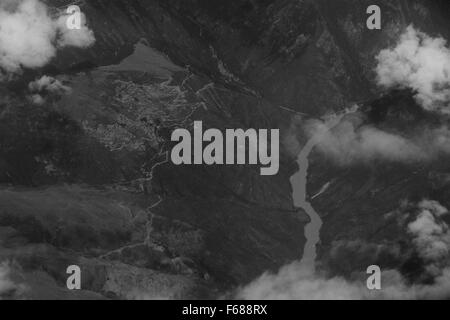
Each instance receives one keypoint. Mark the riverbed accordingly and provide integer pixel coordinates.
(299, 194)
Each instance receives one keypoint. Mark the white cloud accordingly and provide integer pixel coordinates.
(43, 87)
(295, 282)
(49, 84)
(30, 36)
(74, 37)
(431, 235)
(421, 63)
(36, 99)
(6, 285)
(9, 288)
(350, 142)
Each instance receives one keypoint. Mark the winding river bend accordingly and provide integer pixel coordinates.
(312, 229)
(299, 195)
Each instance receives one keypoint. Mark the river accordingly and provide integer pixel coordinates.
(299, 194)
